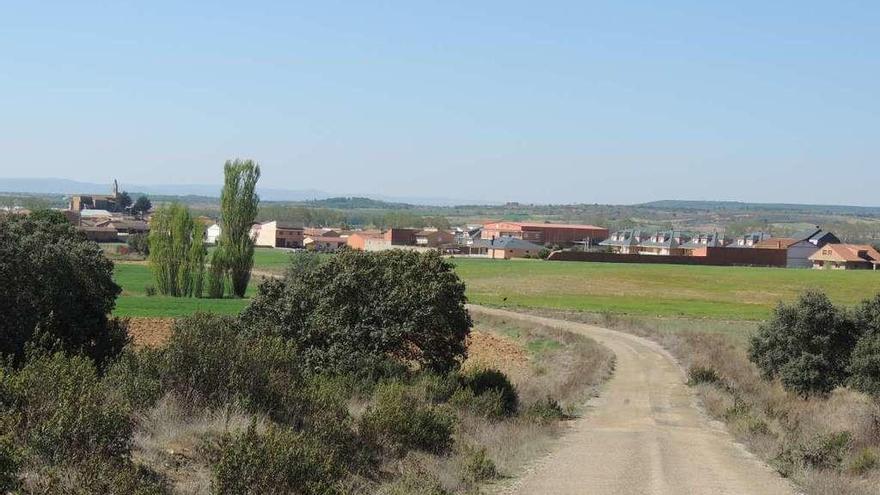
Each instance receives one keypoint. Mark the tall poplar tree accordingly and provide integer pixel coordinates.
(239, 204)
(177, 252)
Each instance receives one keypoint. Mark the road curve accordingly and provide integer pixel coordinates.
(644, 434)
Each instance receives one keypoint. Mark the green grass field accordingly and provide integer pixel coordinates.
(722, 293)
(735, 293)
(134, 278)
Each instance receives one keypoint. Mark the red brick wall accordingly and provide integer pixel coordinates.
(714, 256)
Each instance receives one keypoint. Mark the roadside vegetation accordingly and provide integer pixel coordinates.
(801, 391)
(346, 377)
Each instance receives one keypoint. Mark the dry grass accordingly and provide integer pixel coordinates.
(175, 441)
(793, 435)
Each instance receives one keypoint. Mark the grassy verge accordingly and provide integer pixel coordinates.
(826, 445)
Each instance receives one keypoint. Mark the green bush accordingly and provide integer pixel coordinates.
(10, 462)
(413, 482)
(134, 377)
(807, 345)
(397, 422)
(277, 461)
(477, 466)
(57, 290)
(826, 451)
(545, 411)
(494, 383)
(211, 360)
(356, 310)
(864, 367)
(865, 460)
(489, 404)
(701, 374)
(66, 412)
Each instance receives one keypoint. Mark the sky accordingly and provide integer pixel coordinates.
(547, 102)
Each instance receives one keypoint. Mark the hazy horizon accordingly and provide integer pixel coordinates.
(553, 103)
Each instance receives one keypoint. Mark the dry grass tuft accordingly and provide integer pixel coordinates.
(177, 442)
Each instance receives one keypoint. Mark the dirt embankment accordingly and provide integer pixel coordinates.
(484, 349)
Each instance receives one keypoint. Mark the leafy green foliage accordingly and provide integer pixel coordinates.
(278, 461)
(807, 345)
(477, 465)
(177, 252)
(545, 411)
(139, 243)
(10, 462)
(493, 383)
(358, 309)
(398, 422)
(57, 290)
(66, 412)
(239, 205)
(141, 205)
(211, 360)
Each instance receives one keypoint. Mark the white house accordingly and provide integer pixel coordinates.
(212, 234)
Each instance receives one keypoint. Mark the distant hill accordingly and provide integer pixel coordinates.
(66, 186)
(672, 204)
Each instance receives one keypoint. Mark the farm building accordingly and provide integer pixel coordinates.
(545, 233)
(212, 233)
(324, 244)
(99, 234)
(749, 240)
(846, 257)
(801, 246)
(358, 240)
(277, 234)
(512, 247)
(434, 238)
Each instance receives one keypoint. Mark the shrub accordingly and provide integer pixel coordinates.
(357, 309)
(97, 476)
(139, 243)
(864, 461)
(134, 378)
(489, 404)
(477, 465)
(826, 451)
(806, 344)
(397, 422)
(414, 482)
(865, 365)
(66, 413)
(490, 381)
(150, 290)
(9, 464)
(279, 461)
(545, 411)
(701, 374)
(57, 290)
(211, 360)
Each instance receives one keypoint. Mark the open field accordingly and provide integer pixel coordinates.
(731, 293)
(135, 277)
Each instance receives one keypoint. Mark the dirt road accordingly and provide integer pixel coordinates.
(644, 434)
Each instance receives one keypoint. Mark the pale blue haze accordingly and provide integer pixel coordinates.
(530, 101)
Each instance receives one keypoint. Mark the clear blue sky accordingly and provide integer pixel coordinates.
(531, 101)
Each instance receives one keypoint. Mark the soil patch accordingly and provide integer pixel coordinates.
(490, 350)
(149, 332)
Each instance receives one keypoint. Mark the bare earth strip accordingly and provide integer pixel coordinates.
(644, 434)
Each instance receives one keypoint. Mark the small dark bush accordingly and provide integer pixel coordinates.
(701, 374)
(66, 413)
(826, 451)
(139, 243)
(483, 381)
(545, 411)
(278, 461)
(150, 290)
(489, 404)
(398, 422)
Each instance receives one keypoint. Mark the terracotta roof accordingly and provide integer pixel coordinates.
(318, 238)
(775, 243)
(848, 252)
(554, 225)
